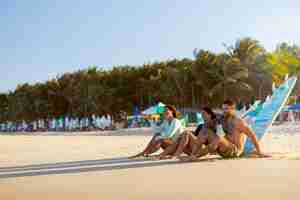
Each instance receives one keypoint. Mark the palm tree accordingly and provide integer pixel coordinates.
(249, 54)
(231, 78)
(206, 72)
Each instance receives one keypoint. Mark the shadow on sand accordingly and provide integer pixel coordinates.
(86, 166)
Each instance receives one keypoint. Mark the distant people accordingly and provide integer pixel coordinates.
(166, 134)
(290, 116)
(108, 122)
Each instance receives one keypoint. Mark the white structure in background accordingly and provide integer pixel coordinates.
(61, 123)
(71, 124)
(41, 124)
(24, 125)
(108, 121)
(104, 122)
(74, 123)
(100, 122)
(81, 123)
(67, 123)
(93, 120)
(97, 122)
(273, 87)
(53, 124)
(34, 124)
(84, 122)
(9, 125)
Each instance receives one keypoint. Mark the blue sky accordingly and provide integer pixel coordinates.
(43, 39)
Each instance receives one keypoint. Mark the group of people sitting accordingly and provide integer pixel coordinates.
(174, 140)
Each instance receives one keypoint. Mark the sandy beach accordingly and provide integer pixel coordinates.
(93, 165)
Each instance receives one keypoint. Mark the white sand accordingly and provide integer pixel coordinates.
(276, 178)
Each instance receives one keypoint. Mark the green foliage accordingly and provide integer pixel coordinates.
(243, 71)
(284, 60)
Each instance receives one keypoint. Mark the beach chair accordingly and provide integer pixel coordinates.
(264, 115)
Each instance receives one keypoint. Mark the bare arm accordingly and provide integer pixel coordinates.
(246, 130)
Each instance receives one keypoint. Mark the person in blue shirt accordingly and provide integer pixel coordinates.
(166, 134)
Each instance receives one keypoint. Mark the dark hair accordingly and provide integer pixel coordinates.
(229, 103)
(173, 110)
(210, 112)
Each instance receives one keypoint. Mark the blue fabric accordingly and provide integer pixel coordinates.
(268, 111)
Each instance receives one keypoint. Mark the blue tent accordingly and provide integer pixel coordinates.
(294, 107)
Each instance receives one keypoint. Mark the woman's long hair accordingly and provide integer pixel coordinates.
(213, 123)
(209, 111)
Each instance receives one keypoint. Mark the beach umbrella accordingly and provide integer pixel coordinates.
(157, 109)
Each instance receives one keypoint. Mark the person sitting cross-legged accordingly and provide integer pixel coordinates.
(169, 131)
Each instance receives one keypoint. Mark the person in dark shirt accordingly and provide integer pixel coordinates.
(198, 129)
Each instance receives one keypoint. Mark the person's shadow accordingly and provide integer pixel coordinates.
(85, 166)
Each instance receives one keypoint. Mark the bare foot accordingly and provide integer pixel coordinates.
(165, 157)
(187, 158)
(136, 156)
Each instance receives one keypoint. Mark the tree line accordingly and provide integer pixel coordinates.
(243, 72)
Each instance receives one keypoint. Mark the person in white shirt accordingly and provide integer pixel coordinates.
(166, 134)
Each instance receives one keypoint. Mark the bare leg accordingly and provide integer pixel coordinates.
(185, 139)
(198, 150)
(169, 150)
(224, 148)
(196, 147)
(219, 143)
(202, 151)
(157, 144)
(147, 149)
(153, 148)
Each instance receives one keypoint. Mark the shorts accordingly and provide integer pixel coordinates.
(232, 151)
